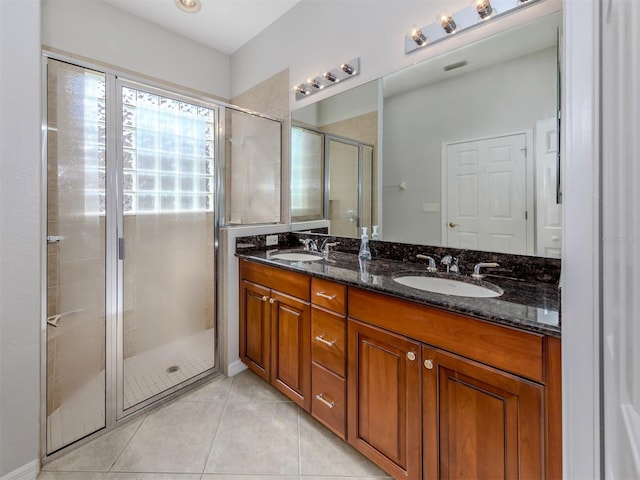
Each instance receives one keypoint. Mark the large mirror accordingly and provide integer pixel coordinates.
(464, 147)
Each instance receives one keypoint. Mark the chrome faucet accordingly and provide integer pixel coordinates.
(432, 263)
(476, 270)
(327, 245)
(451, 263)
(310, 245)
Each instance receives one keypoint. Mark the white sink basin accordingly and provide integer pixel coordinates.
(448, 286)
(296, 257)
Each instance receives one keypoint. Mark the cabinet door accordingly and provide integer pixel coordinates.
(255, 327)
(479, 422)
(384, 399)
(290, 348)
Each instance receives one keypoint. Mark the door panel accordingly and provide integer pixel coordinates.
(343, 191)
(167, 225)
(76, 301)
(384, 399)
(486, 194)
(549, 211)
(291, 348)
(254, 322)
(479, 422)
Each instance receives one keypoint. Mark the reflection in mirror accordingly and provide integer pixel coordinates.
(307, 168)
(469, 144)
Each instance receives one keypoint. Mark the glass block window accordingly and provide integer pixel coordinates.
(168, 154)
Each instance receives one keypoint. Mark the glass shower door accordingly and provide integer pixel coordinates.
(76, 301)
(343, 188)
(166, 248)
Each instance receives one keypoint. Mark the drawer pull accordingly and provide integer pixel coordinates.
(428, 364)
(411, 356)
(265, 298)
(328, 404)
(326, 342)
(272, 301)
(324, 295)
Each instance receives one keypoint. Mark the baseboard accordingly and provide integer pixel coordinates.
(25, 472)
(234, 368)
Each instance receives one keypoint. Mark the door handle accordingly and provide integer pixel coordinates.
(453, 225)
(54, 239)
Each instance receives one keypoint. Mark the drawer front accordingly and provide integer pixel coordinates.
(329, 295)
(328, 399)
(285, 281)
(328, 332)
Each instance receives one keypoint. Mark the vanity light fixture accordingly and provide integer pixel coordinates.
(312, 82)
(189, 6)
(418, 37)
(348, 69)
(328, 78)
(447, 23)
(476, 13)
(484, 8)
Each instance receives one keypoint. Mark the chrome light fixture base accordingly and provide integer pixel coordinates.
(469, 17)
(328, 78)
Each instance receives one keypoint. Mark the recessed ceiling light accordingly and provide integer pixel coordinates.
(189, 6)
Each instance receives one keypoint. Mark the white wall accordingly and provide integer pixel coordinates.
(99, 31)
(500, 99)
(20, 236)
(316, 35)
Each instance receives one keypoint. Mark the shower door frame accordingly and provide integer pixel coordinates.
(328, 138)
(114, 415)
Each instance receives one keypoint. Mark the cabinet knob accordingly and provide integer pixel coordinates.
(272, 300)
(265, 298)
(428, 364)
(411, 356)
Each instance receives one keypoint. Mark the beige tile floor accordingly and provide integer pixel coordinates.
(236, 428)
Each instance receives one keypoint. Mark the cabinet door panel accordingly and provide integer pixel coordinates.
(290, 348)
(487, 423)
(384, 399)
(255, 328)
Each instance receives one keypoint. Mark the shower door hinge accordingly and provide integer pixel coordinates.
(120, 248)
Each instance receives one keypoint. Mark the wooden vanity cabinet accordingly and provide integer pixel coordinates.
(479, 422)
(385, 399)
(275, 322)
(439, 395)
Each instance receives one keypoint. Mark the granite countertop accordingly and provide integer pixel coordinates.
(526, 305)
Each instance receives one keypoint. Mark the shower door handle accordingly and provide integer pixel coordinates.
(120, 248)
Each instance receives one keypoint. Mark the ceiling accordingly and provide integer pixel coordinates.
(224, 25)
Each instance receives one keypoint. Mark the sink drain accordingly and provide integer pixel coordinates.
(173, 369)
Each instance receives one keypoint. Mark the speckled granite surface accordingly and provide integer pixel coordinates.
(531, 299)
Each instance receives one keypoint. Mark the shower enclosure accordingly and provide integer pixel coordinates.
(132, 210)
(331, 178)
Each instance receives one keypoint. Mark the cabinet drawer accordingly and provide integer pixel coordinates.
(291, 283)
(329, 295)
(328, 399)
(328, 332)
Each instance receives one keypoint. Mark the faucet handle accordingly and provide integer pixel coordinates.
(476, 270)
(432, 263)
(326, 248)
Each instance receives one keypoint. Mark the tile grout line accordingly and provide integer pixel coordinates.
(144, 418)
(215, 435)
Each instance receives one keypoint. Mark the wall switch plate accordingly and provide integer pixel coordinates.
(430, 207)
(272, 240)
